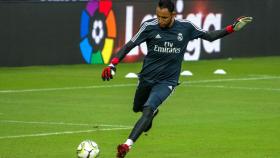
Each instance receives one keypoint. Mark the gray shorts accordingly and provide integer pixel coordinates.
(151, 94)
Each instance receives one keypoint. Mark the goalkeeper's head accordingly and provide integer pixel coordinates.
(165, 13)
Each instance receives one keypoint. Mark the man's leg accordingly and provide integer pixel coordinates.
(157, 95)
(142, 123)
(141, 96)
(151, 123)
(139, 127)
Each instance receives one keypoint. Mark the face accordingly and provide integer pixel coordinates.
(165, 18)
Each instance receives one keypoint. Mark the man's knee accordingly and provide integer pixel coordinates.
(148, 111)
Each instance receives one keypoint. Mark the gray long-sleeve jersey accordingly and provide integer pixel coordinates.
(166, 48)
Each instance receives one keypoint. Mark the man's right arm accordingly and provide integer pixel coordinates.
(108, 71)
(124, 50)
(138, 38)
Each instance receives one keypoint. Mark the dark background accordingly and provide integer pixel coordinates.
(39, 33)
(48, 33)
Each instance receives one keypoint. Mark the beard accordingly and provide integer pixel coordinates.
(166, 25)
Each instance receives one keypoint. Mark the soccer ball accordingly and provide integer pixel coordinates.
(87, 149)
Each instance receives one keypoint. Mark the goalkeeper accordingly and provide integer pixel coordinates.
(167, 39)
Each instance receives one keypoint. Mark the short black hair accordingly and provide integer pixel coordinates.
(166, 4)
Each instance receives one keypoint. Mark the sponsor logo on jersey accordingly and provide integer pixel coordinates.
(167, 48)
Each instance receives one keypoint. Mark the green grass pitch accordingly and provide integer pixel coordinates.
(46, 111)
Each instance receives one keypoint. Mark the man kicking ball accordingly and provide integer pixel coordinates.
(167, 39)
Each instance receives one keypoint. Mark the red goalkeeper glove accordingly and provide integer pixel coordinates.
(110, 70)
(239, 24)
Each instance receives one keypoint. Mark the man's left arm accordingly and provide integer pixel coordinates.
(240, 23)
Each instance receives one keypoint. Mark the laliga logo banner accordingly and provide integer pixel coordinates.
(98, 32)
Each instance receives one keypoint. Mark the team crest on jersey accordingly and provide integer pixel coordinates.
(180, 37)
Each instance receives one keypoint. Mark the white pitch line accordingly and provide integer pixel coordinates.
(231, 79)
(234, 87)
(258, 75)
(62, 123)
(65, 88)
(128, 85)
(62, 133)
